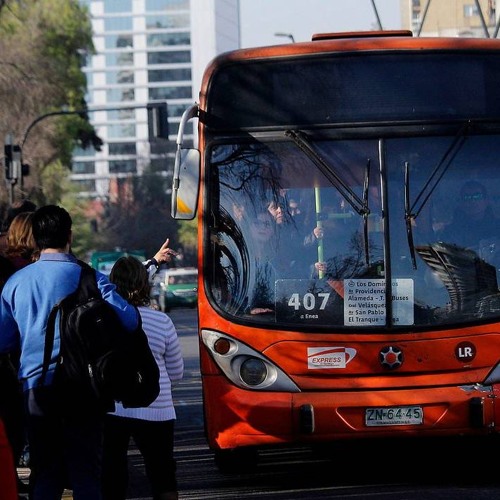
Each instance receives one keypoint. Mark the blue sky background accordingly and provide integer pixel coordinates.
(260, 19)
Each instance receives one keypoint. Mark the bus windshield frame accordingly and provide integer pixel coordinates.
(347, 193)
(361, 122)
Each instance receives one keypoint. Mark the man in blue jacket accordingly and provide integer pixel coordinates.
(65, 448)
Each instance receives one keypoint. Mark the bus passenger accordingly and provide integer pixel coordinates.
(288, 228)
(474, 225)
(260, 299)
(343, 250)
(297, 245)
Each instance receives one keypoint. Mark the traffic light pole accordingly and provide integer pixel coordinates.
(157, 116)
(157, 126)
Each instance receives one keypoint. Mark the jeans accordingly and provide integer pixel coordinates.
(65, 451)
(155, 441)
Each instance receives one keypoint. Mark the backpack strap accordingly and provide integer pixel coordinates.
(88, 280)
(49, 343)
(87, 284)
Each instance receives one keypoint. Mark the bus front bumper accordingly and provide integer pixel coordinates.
(238, 417)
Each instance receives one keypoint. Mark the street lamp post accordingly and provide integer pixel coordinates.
(286, 35)
(157, 117)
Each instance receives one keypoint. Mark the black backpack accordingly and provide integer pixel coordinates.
(99, 361)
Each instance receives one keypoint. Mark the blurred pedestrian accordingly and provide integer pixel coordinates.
(7, 269)
(152, 428)
(8, 487)
(8, 385)
(20, 251)
(16, 208)
(21, 248)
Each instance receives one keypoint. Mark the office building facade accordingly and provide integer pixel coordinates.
(145, 51)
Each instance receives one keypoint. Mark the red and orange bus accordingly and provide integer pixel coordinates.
(348, 197)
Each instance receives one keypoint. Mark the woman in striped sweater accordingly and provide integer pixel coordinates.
(152, 428)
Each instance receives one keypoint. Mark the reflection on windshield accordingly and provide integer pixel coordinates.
(288, 247)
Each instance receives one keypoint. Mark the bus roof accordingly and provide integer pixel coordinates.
(354, 41)
(326, 83)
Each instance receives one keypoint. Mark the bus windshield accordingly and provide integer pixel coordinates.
(361, 233)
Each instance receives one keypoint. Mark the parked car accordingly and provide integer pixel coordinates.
(179, 288)
(104, 261)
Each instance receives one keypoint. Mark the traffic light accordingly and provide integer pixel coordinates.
(8, 161)
(14, 168)
(12, 161)
(16, 161)
(157, 120)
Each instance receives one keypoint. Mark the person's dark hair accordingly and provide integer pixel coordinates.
(131, 280)
(17, 208)
(51, 227)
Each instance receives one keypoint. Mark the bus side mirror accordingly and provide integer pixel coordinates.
(186, 184)
(186, 179)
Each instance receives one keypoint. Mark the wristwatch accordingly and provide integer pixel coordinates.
(152, 262)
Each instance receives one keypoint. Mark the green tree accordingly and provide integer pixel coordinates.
(60, 191)
(188, 239)
(41, 48)
(42, 44)
(137, 217)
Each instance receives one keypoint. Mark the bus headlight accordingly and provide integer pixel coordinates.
(253, 371)
(245, 367)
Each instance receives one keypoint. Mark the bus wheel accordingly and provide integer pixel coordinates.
(236, 460)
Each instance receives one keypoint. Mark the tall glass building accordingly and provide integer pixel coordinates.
(455, 18)
(146, 51)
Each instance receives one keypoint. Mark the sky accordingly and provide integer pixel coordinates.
(261, 19)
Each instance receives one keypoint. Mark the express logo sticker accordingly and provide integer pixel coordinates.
(329, 357)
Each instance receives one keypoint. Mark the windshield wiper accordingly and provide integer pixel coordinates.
(301, 140)
(442, 166)
(411, 213)
(367, 212)
(409, 216)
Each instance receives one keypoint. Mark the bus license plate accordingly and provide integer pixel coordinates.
(394, 415)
